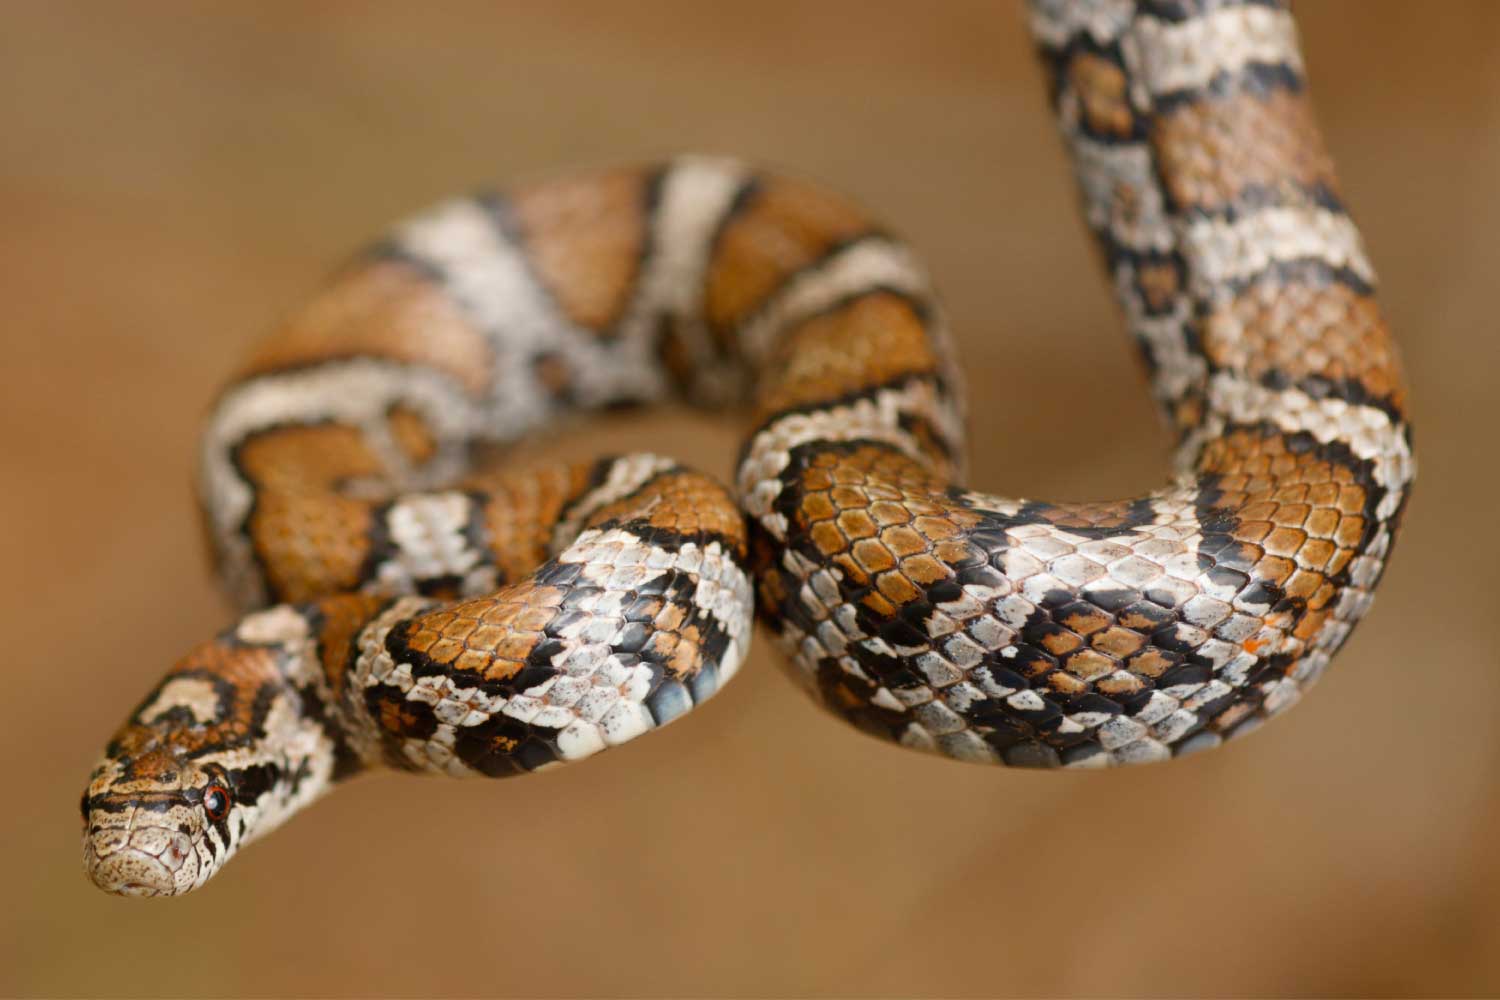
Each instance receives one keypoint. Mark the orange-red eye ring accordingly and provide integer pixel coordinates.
(216, 802)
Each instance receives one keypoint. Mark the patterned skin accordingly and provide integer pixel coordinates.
(1093, 634)
(439, 615)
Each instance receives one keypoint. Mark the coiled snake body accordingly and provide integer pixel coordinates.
(432, 613)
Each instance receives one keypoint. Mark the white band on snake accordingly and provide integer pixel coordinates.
(409, 605)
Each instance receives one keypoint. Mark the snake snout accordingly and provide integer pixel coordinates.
(145, 861)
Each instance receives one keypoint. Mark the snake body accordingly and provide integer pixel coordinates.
(422, 609)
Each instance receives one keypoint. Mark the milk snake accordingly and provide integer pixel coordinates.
(422, 609)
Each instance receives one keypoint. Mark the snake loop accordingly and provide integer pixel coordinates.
(409, 604)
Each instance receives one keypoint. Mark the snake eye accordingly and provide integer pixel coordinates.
(216, 802)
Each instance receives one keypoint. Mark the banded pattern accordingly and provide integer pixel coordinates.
(446, 616)
(1099, 633)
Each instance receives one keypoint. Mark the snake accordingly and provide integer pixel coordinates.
(410, 601)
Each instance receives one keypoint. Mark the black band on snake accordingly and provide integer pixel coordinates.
(420, 609)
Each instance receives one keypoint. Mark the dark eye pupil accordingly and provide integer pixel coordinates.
(214, 802)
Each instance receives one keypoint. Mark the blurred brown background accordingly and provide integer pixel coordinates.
(175, 177)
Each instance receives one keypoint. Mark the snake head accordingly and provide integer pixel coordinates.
(155, 824)
(216, 755)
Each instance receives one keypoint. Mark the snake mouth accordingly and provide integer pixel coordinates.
(130, 872)
(148, 861)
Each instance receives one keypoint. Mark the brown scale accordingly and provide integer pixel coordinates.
(1212, 150)
(1302, 330)
(586, 236)
(312, 539)
(521, 509)
(683, 502)
(870, 341)
(1100, 88)
(1118, 661)
(1101, 514)
(246, 669)
(679, 645)
(785, 226)
(493, 636)
(1089, 649)
(342, 619)
(381, 309)
(1159, 283)
(881, 518)
(400, 719)
(1299, 518)
(490, 636)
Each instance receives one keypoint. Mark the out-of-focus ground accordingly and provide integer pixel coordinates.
(174, 177)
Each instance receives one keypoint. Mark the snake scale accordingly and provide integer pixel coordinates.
(410, 604)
